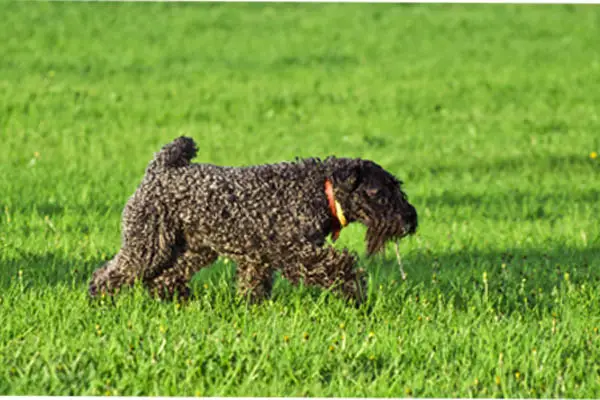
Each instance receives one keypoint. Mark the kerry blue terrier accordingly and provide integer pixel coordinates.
(266, 217)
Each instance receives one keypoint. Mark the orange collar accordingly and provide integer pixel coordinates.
(339, 220)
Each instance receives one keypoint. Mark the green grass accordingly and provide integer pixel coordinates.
(488, 113)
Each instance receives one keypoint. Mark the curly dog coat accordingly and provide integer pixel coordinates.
(266, 217)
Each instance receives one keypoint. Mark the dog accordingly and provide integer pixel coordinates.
(267, 217)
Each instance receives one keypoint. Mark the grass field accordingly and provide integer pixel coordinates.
(488, 113)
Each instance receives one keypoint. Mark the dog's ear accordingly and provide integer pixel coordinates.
(349, 177)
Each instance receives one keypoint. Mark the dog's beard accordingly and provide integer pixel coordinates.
(378, 234)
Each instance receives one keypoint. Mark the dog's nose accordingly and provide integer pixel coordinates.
(412, 229)
(412, 219)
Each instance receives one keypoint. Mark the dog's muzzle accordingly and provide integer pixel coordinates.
(410, 221)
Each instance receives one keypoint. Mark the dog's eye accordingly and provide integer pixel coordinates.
(372, 192)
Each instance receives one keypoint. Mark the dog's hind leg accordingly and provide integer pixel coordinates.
(176, 278)
(108, 279)
(149, 244)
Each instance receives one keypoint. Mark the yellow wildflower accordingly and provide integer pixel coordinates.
(593, 155)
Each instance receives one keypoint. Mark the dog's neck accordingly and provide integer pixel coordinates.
(339, 220)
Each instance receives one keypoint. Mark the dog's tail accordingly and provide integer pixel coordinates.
(178, 153)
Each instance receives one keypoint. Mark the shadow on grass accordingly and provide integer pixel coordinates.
(542, 265)
(515, 277)
(46, 270)
(52, 269)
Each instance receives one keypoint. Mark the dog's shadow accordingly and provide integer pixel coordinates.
(510, 279)
(46, 270)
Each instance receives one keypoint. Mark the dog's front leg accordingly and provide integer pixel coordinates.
(254, 279)
(326, 267)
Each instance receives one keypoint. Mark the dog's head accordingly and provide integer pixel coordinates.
(371, 195)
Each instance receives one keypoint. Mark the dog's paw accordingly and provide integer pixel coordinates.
(355, 289)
